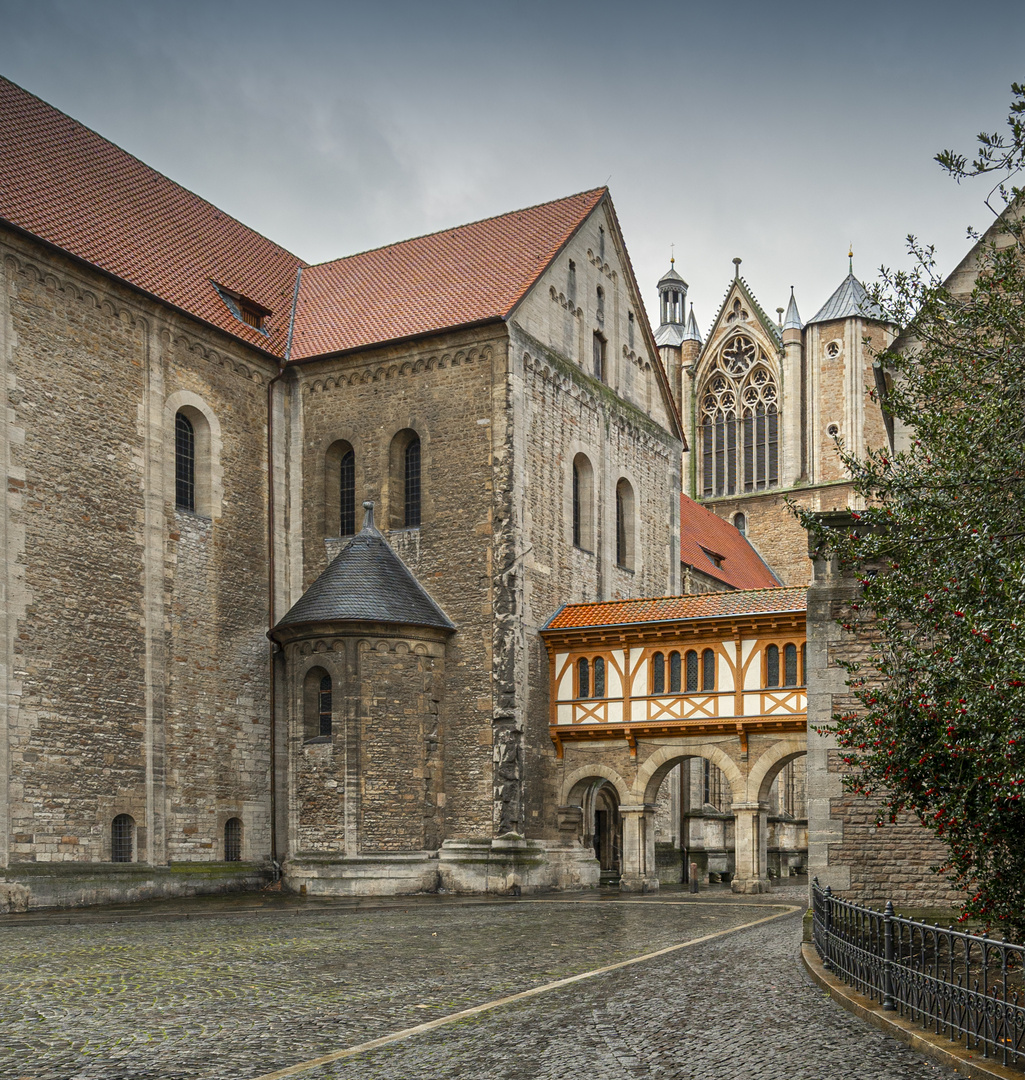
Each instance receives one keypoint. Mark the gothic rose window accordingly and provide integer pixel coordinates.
(739, 420)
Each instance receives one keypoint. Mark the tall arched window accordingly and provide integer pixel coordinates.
(583, 503)
(184, 463)
(122, 838)
(583, 678)
(412, 484)
(347, 494)
(740, 524)
(675, 673)
(772, 665)
(624, 525)
(599, 676)
(658, 673)
(692, 671)
(318, 704)
(405, 484)
(789, 665)
(340, 489)
(708, 669)
(233, 840)
(739, 421)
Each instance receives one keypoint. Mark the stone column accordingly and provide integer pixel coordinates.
(751, 832)
(792, 465)
(638, 848)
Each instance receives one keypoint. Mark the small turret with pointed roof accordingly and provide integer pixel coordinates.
(692, 333)
(792, 319)
(366, 582)
(672, 297)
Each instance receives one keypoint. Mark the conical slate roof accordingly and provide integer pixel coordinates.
(366, 582)
(693, 333)
(671, 277)
(792, 321)
(850, 301)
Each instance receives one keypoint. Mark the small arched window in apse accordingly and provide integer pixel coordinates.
(692, 671)
(324, 705)
(347, 494)
(184, 463)
(708, 669)
(599, 677)
(789, 665)
(772, 665)
(675, 676)
(233, 840)
(583, 678)
(658, 673)
(740, 523)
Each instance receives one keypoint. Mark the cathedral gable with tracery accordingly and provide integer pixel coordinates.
(738, 413)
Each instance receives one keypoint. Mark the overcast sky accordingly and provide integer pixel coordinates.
(777, 132)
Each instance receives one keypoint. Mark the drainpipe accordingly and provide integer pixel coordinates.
(272, 646)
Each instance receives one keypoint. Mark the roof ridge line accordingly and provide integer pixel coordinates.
(454, 228)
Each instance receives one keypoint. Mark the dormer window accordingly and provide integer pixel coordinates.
(245, 310)
(717, 559)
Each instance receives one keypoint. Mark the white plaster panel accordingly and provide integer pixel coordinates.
(753, 675)
(613, 683)
(565, 689)
(614, 713)
(564, 714)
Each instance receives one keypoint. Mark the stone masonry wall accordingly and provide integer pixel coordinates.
(133, 657)
(845, 847)
(444, 391)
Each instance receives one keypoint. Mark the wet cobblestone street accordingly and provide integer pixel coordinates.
(222, 992)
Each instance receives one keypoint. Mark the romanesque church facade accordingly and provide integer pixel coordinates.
(195, 422)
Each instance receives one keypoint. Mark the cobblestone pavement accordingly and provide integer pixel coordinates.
(223, 996)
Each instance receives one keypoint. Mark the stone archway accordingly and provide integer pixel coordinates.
(779, 783)
(591, 799)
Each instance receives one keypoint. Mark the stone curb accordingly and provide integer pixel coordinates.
(936, 1047)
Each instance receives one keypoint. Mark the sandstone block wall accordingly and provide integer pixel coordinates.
(444, 391)
(133, 658)
(846, 849)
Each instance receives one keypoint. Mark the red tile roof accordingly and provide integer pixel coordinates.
(67, 185)
(679, 608)
(702, 531)
(461, 276)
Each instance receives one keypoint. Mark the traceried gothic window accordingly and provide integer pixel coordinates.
(739, 422)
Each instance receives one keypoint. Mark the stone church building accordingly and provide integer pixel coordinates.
(194, 420)
(430, 567)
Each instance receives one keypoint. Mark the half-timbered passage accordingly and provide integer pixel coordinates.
(702, 665)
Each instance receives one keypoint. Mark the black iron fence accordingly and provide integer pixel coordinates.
(967, 987)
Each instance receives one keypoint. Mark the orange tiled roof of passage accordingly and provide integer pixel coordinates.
(69, 186)
(678, 608)
(471, 274)
(702, 531)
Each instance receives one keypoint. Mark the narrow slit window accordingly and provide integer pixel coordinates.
(233, 840)
(658, 673)
(692, 671)
(804, 665)
(324, 698)
(674, 673)
(184, 463)
(790, 665)
(708, 669)
(772, 666)
(347, 494)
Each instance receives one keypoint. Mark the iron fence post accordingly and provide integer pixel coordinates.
(888, 1002)
(827, 922)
